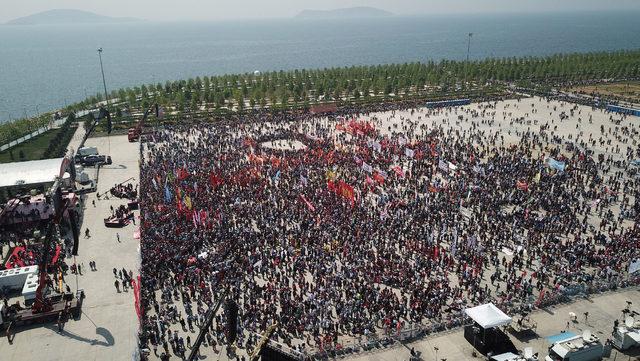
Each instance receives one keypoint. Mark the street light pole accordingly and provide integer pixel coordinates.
(104, 83)
(106, 95)
(466, 64)
(469, 46)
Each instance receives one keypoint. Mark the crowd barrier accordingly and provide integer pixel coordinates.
(381, 340)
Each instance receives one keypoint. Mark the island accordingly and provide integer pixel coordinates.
(67, 16)
(344, 13)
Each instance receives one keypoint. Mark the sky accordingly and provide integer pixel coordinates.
(179, 10)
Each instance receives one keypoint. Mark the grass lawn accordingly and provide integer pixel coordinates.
(32, 148)
(627, 90)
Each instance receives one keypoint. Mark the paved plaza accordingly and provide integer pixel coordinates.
(108, 326)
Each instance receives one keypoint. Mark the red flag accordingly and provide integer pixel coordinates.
(215, 180)
(182, 174)
(398, 171)
(275, 162)
(369, 181)
(346, 191)
(248, 142)
(522, 185)
(331, 185)
(255, 159)
(379, 178)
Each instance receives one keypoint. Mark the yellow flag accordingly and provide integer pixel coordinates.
(331, 175)
(536, 179)
(187, 202)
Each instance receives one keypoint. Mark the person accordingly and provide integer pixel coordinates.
(117, 284)
(60, 322)
(8, 333)
(86, 233)
(118, 237)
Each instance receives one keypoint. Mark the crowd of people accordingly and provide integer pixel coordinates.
(368, 221)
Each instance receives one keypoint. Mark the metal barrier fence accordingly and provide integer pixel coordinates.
(382, 340)
(567, 293)
(379, 341)
(33, 134)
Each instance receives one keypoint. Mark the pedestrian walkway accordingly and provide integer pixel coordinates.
(77, 137)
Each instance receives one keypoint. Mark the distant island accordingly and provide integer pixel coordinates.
(346, 13)
(66, 16)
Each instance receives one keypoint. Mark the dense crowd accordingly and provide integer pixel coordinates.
(338, 228)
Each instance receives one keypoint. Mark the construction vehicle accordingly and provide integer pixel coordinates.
(135, 132)
(49, 305)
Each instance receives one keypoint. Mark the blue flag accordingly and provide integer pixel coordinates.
(557, 165)
(167, 194)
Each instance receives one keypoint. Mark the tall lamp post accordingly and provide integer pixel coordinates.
(104, 83)
(466, 65)
(106, 95)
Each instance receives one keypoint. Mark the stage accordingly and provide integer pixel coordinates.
(15, 259)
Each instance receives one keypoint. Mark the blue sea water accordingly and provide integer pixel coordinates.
(46, 67)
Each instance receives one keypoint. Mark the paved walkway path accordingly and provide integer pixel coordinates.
(77, 137)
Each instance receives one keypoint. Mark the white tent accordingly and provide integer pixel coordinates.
(488, 316)
(509, 356)
(31, 172)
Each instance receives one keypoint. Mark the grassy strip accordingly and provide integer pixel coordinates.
(32, 149)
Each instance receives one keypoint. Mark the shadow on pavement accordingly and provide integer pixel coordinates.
(101, 331)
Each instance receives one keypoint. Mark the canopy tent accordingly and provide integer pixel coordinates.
(509, 356)
(31, 172)
(488, 316)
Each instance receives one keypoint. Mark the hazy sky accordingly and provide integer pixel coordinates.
(235, 9)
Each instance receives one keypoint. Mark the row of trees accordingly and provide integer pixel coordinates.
(58, 145)
(304, 87)
(10, 131)
(287, 88)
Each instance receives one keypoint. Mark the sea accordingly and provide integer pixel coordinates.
(46, 67)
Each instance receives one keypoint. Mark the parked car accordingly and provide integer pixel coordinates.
(95, 160)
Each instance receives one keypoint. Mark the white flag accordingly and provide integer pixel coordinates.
(409, 152)
(444, 166)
